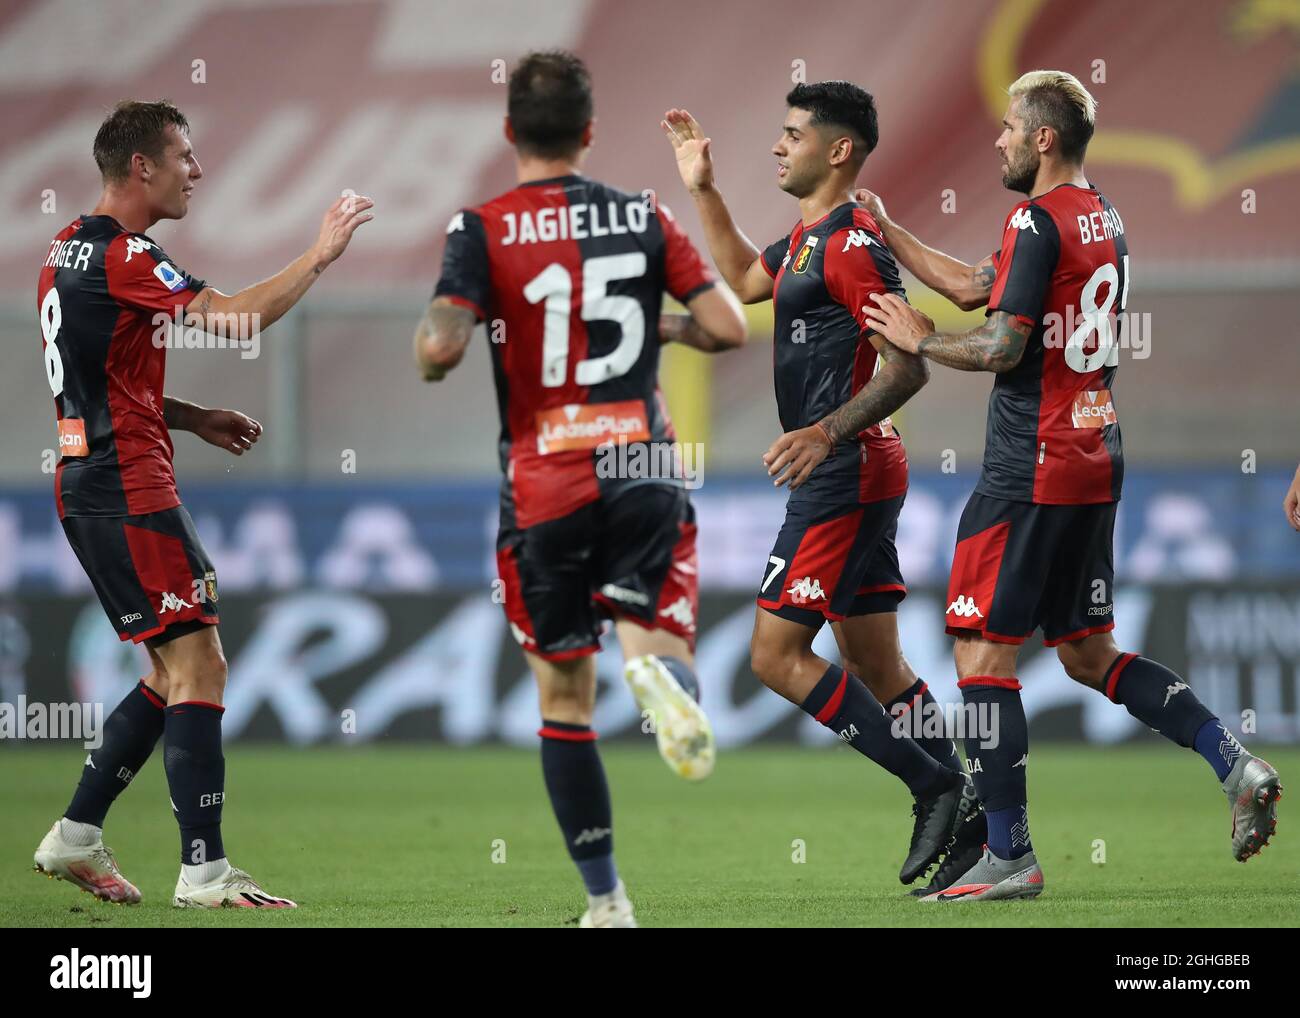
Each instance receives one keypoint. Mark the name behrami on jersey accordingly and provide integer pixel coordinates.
(570, 275)
(824, 276)
(101, 293)
(1053, 433)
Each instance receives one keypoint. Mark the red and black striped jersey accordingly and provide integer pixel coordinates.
(105, 298)
(570, 275)
(1053, 437)
(824, 274)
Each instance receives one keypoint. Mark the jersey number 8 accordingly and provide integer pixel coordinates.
(1097, 319)
(51, 322)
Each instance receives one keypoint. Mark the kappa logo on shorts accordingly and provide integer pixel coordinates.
(172, 603)
(680, 612)
(965, 608)
(624, 594)
(805, 590)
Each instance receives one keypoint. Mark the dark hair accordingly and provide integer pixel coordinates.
(549, 103)
(1045, 106)
(134, 127)
(843, 105)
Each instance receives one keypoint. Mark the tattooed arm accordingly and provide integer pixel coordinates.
(900, 378)
(793, 456)
(441, 338)
(997, 345)
(967, 286)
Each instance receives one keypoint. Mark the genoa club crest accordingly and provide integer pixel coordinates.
(804, 256)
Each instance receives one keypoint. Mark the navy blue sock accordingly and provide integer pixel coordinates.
(1218, 745)
(575, 781)
(1162, 701)
(196, 777)
(844, 705)
(684, 675)
(999, 770)
(916, 712)
(128, 737)
(1009, 831)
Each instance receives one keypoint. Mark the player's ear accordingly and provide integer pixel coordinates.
(509, 129)
(141, 166)
(589, 133)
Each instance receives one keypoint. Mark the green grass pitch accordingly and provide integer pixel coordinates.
(407, 837)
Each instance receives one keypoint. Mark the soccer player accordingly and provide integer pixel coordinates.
(106, 295)
(834, 559)
(1034, 545)
(571, 274)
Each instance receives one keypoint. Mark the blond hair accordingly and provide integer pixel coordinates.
(1057, 99)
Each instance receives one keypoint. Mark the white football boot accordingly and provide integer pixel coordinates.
(231, 889)
(681, 728)
(91, 867)
(612, 911)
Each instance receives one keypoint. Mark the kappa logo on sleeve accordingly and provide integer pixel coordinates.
(169, 277)
(857, 238)
(137, 245)
(1022, 219)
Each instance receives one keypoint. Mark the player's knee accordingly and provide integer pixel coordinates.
(769, 663)
(1086, 669)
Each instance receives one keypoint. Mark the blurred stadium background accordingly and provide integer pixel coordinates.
(354, 546)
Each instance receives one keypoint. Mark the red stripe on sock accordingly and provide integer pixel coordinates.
(833, 704)
(151, 696)
(566, 736)
(912, 702)
(998, 681)
(1113, 681)
(200, 703)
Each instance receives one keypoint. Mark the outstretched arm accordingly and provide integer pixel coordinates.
(996, 346)
(225, 314)
(735, 255)
(967, 286)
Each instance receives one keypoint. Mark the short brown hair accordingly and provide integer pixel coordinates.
(549, 103)
(133, 127)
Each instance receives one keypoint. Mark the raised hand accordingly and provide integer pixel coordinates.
(694, 162)
(340, 222)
